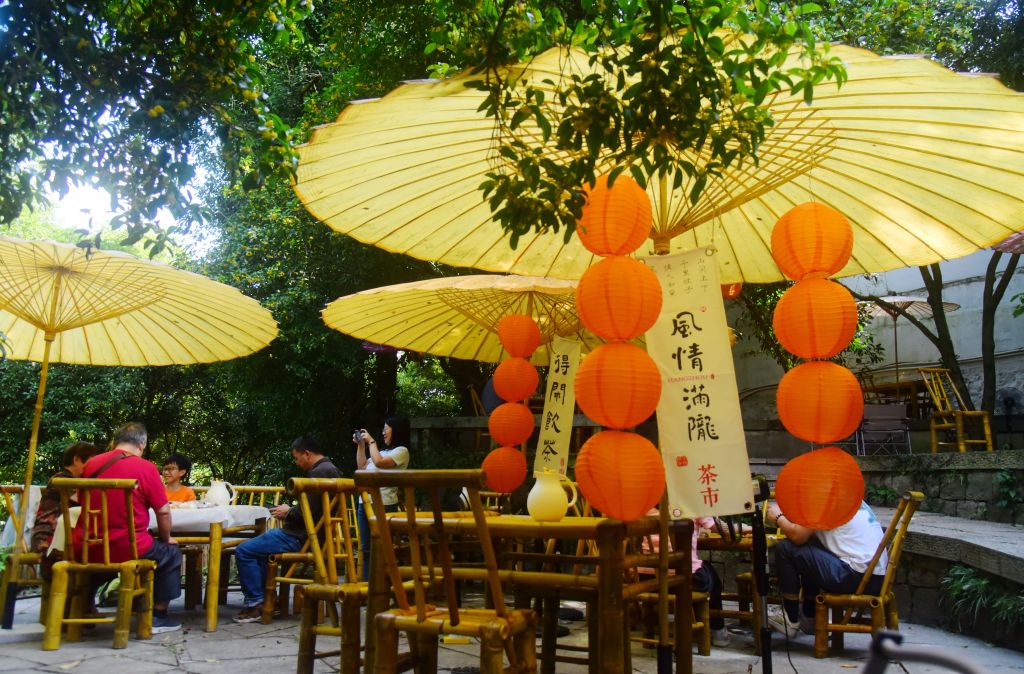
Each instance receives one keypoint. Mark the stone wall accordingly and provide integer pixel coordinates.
(919, 596)
(973, 485)
(921, 600)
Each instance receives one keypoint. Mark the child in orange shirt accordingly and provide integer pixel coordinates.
(176, 468)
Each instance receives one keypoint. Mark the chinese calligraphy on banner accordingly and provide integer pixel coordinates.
(559, 404)
(700, 429)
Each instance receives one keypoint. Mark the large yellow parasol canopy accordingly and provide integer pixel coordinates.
(926, 163)
(458, 316)
(59, 303)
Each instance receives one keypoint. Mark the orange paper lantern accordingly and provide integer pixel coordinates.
(515, 379)
(811, 238)
(618, 385)
(816, 318)
(616, 220)
(511, 424)
(504, 469)
(621, 474)
(731, 291)
(822, 489)
(519, 334)
(820, 401)
(618, 298)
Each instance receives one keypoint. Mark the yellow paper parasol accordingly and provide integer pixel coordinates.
(926, 163)
(457, 316)
(60, 304)
(918, 307)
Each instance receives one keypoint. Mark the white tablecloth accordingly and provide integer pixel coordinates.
(186, 520)
(9, 537)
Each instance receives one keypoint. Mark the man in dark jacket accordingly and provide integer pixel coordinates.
(251, 556)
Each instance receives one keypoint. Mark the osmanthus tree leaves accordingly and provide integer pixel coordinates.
(114, 93)
(675, 89)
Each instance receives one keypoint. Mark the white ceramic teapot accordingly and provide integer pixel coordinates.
(220, 493)
(548, 501)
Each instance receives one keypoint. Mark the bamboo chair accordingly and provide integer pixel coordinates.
(950, 412)
(479, 411)
(501, 631)
(647, 603)
(73, 574)
(328, 546)
(881, 607)
(22, 566)
(748, 601)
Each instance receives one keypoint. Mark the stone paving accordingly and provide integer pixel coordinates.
(271, 648)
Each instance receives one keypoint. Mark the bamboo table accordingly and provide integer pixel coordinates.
(610, 652)
(220, 527)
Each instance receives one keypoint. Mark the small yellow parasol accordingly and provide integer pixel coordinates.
(457, 316)
(62, 304)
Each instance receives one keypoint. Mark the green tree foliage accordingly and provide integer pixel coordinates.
(117, 93)
(426, 390)
(677, 92)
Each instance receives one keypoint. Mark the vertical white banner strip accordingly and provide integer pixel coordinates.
(559, 404)
(700, 428)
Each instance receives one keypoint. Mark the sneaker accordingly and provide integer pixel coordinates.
(720, 637)
(780, 622)
(249, 614)
(807, 624)
(163, 624)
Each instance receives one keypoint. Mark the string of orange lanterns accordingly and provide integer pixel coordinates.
(618, 385)
(511, 423)
(818, 401)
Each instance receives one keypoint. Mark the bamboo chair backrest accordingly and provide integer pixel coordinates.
(258, 496)
(253, 495)
(329, 539)
(892, 540)
(10, 492)
(97, 497)
(425, 535)
(478, 405)
(939, 383)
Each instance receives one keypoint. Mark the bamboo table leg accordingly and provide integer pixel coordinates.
(213, 576)
(612, 655)
(377, 600)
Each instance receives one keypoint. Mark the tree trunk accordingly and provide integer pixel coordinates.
(942, 339)
(995, 288)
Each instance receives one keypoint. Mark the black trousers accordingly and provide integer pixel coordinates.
(705, 579)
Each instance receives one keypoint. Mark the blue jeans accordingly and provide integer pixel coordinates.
(251, 558)
(812, 568)
(364, 536)
(167, 577)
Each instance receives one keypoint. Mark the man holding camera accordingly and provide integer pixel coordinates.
(251, 556)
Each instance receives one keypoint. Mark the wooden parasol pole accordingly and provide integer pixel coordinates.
(50, 335)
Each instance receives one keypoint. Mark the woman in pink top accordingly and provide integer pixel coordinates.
(705, 579)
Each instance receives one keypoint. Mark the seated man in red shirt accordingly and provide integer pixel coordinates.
(125, 461)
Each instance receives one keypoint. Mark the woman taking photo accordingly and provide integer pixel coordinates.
(394, 455)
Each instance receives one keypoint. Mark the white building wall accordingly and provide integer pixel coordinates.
(963, 281)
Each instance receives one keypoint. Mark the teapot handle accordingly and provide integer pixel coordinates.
(572, 488)
(234, 493)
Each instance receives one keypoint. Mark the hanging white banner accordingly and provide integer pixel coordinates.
(559, 404)
(700, 428)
